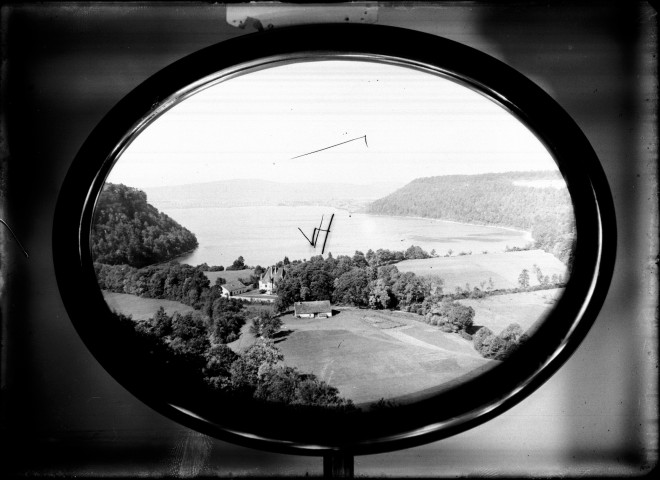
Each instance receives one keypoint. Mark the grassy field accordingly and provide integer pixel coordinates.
(229, 275)
(498, 311)
(503, 268)
(369, 355)
(141, 308)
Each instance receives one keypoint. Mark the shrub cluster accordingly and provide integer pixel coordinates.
(449, 316)
(265, 324)
(498, 347)
(204, 267)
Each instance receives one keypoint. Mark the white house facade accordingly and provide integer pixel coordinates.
(270, 278)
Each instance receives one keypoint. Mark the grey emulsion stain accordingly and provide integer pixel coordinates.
(190, 455)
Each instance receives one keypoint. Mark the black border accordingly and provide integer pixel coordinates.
(447, 413)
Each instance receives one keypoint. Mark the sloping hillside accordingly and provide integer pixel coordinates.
(527, 200)
(502, 268)
(527, 309)
(130, 231)
(492, 199)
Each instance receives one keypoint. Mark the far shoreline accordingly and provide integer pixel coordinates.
(528, 234)
(525, 240)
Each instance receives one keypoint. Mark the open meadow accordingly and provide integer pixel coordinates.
(228, 275)
(369, 355)
(478, 268)
(141, 308)
(526, 308)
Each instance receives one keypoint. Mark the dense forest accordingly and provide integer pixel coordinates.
(128, 230)
(501, 199)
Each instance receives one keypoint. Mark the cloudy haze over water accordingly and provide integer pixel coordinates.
(252, 127)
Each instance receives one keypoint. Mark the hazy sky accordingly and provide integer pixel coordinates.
(416, 124)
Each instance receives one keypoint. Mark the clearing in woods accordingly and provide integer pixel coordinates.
(141, 308)
(525, 308)
(369, 355)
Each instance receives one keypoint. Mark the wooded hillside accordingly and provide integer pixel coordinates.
(491, 199)
(128, 230)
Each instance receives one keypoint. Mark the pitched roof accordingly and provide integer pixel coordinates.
(320, 306)
(233, 286)
(272, 274)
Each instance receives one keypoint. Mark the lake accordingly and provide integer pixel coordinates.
(265, 235)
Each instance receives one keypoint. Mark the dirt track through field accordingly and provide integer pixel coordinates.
(400, 335)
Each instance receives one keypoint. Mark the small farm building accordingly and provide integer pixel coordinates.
(232, 288)
(321, 309)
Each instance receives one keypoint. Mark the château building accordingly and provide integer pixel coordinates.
(270, 278)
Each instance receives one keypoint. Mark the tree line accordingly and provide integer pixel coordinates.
(363, 280)
(128, 230)
(491, 199)
(171, 281)
(359, 282)
(372, 280)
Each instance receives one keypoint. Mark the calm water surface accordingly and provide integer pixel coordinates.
(265, 235)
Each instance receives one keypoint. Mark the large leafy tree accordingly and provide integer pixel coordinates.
(238, 264)
(277, 384)
(415, 252)
(499, 347)
(246, 369)
(409, 289)
(523, 279)
(189, 334)
(454, 316)
(217, 371)
(512, 333)
(227, 319)
(284, 384)
(160, 325)
(380, 295)
(306, 281)
(266, 324)
(479, 337)
(352, 288)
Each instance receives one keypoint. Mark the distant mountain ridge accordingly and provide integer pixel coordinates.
(243, 193)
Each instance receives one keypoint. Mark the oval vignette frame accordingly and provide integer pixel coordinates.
(465, 406)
